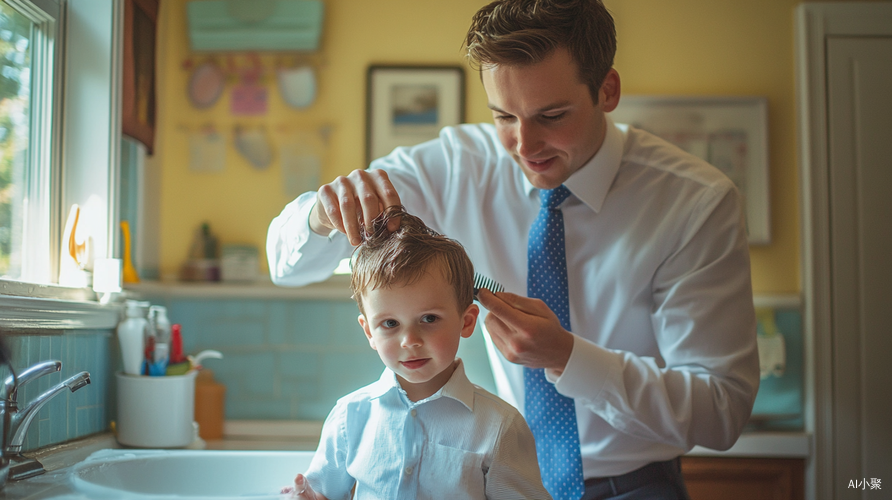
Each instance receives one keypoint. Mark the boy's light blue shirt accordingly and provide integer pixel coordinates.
(462, 442)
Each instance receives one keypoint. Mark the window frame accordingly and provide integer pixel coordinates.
(40, 239)
(84, 150)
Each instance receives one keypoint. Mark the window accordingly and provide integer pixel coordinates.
(28, 34)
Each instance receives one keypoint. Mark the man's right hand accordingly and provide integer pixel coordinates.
(344, 202)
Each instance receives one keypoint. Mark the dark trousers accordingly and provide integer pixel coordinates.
(656, 481)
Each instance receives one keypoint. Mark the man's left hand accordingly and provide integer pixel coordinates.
(526, 331)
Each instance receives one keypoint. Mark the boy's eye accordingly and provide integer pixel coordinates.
(390, 323)
(429, 318)
(554, 118)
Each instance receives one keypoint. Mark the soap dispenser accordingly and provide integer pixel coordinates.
(210, 405)
(130, 337)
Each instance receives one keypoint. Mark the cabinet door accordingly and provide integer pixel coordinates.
(710, 478)
(138, 79)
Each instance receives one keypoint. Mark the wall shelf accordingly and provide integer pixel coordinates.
(335, 288)
(780, 301)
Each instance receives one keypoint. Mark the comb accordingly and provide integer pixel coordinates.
(481, 281)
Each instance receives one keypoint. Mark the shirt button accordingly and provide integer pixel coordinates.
(414, 412)
(409, 470)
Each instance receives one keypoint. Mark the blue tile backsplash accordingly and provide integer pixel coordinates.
(779, 403)
(288, 359)
(68, 415)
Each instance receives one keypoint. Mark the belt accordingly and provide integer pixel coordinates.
(605, 487)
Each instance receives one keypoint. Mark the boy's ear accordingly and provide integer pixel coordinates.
(368, 333)
(469, 320)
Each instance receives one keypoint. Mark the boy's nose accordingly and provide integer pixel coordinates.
(411, 339)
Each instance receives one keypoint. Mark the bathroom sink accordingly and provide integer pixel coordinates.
(186, 474)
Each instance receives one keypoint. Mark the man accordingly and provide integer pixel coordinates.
(629, 307)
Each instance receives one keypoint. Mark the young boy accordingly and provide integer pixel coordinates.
(422, 430)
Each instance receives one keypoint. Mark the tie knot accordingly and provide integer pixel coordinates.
(551, 198)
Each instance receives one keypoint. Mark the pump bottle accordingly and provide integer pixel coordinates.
(130, 337)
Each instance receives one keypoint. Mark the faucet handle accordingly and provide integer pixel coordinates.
(32, 373)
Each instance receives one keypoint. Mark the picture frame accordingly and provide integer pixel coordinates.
(731, 133)
(409, 104)
(138, 106)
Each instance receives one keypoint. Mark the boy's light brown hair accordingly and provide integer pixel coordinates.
(523, 32)
(386, 259)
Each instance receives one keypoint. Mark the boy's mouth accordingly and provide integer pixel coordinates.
(414, 364)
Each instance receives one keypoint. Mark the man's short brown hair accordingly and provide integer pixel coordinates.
(523, 32)
(385, 259)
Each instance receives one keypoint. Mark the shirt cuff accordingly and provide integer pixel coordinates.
(587, 370)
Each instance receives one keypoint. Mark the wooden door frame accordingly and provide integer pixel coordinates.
(815, 21)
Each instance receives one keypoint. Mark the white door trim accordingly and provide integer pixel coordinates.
(815, 21)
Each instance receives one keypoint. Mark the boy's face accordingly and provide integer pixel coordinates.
(416, 329)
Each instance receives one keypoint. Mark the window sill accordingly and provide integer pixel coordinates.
(28, 306)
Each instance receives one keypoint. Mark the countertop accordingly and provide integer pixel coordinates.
(239, 435)
(56, 460)
(763, 445)
(304, 436)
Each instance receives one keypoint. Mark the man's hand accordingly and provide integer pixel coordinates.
(342, 203)
(526, 331)
(302, 490)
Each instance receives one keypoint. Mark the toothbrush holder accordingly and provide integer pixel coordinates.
(156, 412)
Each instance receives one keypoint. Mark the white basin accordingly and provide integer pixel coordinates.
(186, 474)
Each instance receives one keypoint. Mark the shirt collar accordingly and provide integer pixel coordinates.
(591, 182)
(458, 387)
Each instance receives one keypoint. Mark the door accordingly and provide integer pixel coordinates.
(859, 125)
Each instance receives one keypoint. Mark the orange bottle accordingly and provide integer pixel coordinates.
(210, 405)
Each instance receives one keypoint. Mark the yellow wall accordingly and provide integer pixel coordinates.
(684, 47)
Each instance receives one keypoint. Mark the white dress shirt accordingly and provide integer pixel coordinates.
(462, 442)
(664, 355)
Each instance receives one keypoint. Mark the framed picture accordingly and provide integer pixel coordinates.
(730, 133)
(407, 105)
(138, 75)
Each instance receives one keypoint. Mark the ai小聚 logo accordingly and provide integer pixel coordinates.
(863, 484)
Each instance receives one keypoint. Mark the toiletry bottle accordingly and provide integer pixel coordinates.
(210, 402)
(130, 337)
(148, 338)
(161, 326)
(178, 364)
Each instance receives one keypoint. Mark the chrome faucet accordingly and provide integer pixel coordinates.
(19, 421)
(33, 373)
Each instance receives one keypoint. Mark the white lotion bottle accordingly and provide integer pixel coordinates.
(130, 338)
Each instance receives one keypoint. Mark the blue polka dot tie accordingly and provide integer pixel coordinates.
(551, 416)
